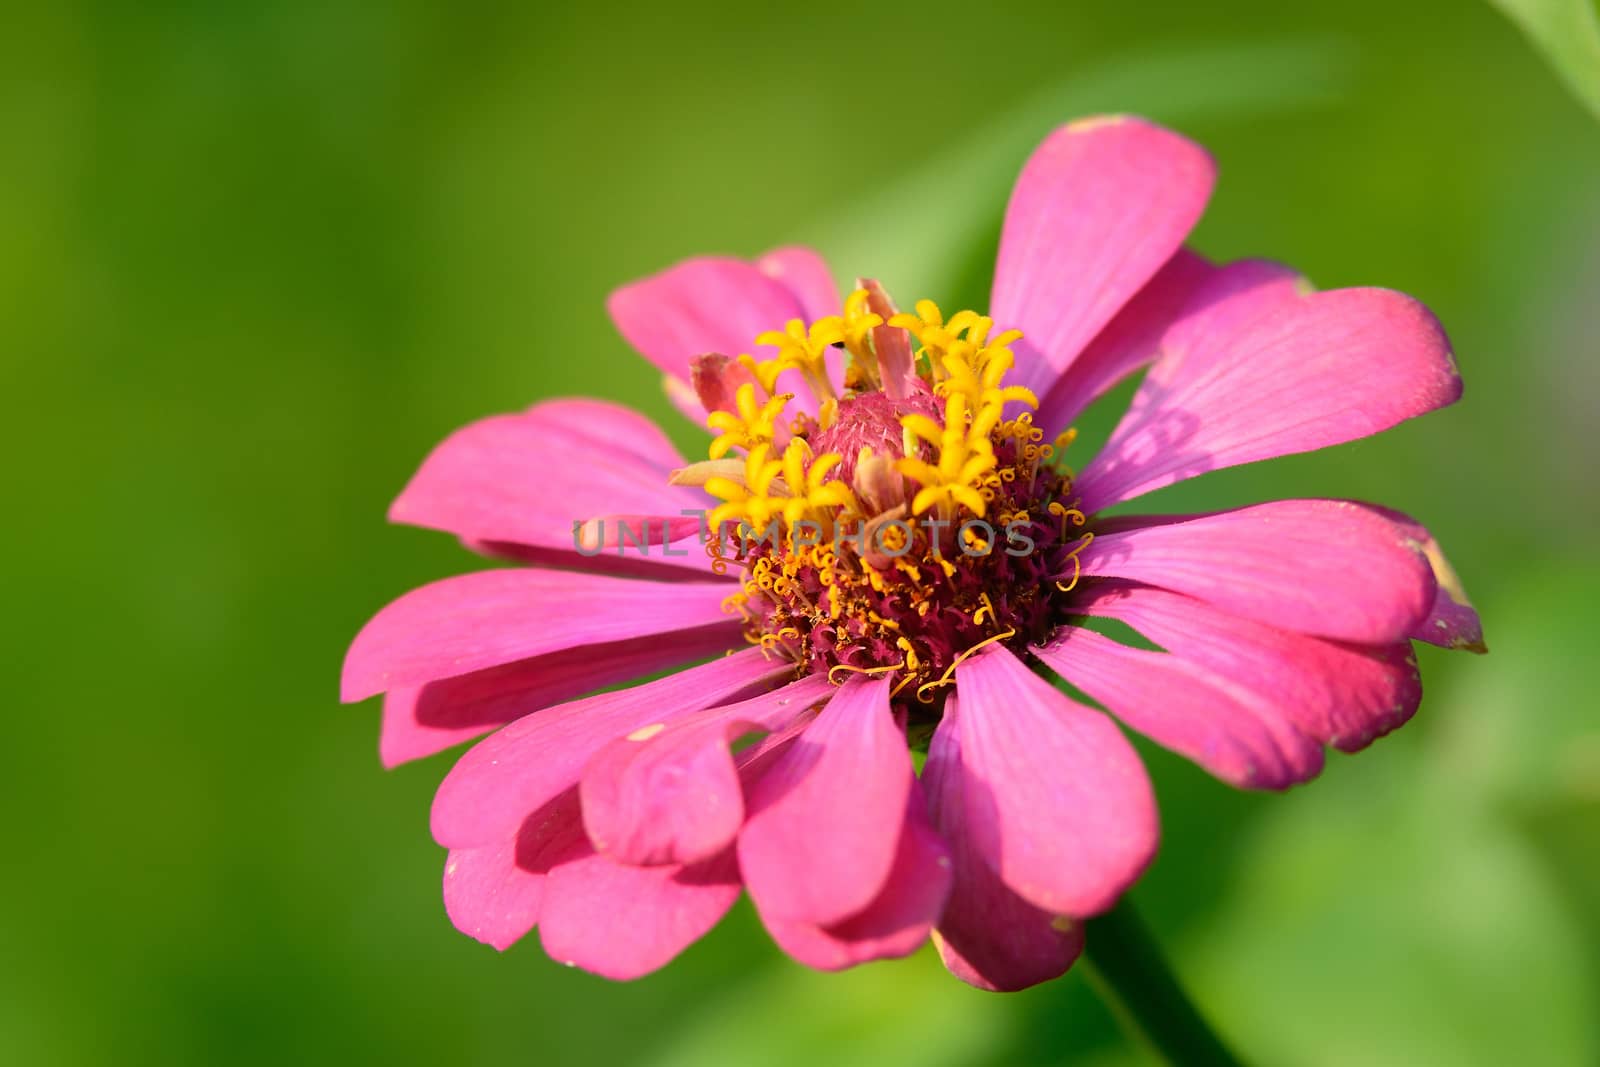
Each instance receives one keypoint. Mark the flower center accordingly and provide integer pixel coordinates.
(898, 527)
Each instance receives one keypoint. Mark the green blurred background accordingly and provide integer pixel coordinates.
(256, 259)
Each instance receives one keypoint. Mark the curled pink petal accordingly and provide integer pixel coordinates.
(510, 773)
(1100, 206)
(898, 921)
(475, 621)
(673, 794)
(420, 720)
(825, 816)
(623, 921)
(716, 379)
(1453, 622)
(1332, 568)
(1055, 799)
(1327, 368)
(988, 936)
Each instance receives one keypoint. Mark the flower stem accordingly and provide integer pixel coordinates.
(1129, 972)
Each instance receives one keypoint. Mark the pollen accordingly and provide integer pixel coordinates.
(901, 525)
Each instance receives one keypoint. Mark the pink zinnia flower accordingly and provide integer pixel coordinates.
(882, 615)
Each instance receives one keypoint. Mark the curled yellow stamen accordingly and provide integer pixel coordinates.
(1077, 565)
(863, 670)
(987, 607)
(1066, 514)
(950, 671)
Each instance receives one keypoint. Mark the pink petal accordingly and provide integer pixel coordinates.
(682, 562)
(1327, 368)
(1186, 315)
(710, 304)
(1128, 341)
(1222, 304)
(1230, 729)
(898, 921)
(475, 621)
(682, 395)
(825, 816)
(423, 719)
(1332, 568)
(613, 530)
(529, 478)
(999, 942)
(494, 893)
(1453, 622)
(988, 936)
(805, 274)
(1054, 796)
(674, 795)
(1182, 316)
(515, 771)
(616, 921)
(624, 922)
(601, 422)
(1341, 694)
(488, 897)
(1100, 206)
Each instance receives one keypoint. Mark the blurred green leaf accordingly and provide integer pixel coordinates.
(1568, 33)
